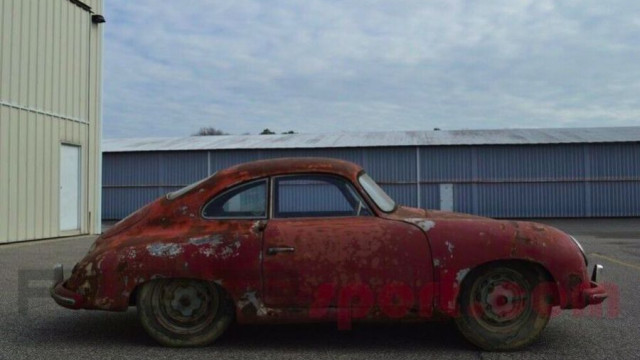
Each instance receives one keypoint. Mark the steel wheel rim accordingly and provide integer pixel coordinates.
(501, 299)
(185, 307)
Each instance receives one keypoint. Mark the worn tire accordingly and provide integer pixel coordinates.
(184, 312)
(499, 308)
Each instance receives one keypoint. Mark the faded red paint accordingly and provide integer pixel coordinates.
(412, 261)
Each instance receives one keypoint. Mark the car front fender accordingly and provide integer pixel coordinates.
(461, 245)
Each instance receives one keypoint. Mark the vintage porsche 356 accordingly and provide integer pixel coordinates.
(314, 239)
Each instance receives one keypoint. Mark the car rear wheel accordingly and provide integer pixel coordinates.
(184, 312)
(504, 307)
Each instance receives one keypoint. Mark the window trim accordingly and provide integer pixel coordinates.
(355, 189)
(266, 180)
(395, 204)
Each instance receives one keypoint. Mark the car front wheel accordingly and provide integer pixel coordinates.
(184, 312)
(503, 307)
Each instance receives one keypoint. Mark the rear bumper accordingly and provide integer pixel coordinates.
(61, 295)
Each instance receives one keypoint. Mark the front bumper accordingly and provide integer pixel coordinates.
(595, 293)
(63, 296)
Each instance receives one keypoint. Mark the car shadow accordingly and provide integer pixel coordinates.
(123, 329)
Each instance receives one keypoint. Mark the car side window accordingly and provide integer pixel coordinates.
(316, 196)
(241, 202)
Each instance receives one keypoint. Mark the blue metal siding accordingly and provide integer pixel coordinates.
(390, 164)
(615, 161)
(527, 163)
(524, 200)
(118, 202)
(445, 164)
(182, 169)
(553, 180)
(463, 198)
(130, 169)
(226, 158)
(430, 196)
(616, 198)
(404, 194)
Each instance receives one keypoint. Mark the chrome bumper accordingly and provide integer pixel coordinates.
(597, 272)
(596, 293)
(58, 292)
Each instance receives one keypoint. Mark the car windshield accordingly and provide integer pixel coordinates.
(384, 202)
(176, 194)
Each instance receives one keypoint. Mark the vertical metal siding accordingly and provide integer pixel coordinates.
(574, 180)
(118, 202)
(49, 93)
(182, 169)
(463, 199)
(223, 159)
(529, 162)
(131, 169)
(430, 196)
(616, 198)
(404, 194)
(615, 161)
(445, 164)
(518, 200)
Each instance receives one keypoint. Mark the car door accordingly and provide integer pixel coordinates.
(231, 240)
(323, 235)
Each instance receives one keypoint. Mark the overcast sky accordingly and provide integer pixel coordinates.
(171, 67)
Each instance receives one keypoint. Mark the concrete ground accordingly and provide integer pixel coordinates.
(36, 328)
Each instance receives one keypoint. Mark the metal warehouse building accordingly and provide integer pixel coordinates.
(50, 83)
(530, 173)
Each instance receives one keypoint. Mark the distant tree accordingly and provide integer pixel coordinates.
(209, 131)
(267, 132)
(289, 132)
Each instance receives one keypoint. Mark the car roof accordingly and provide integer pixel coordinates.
(295, 165)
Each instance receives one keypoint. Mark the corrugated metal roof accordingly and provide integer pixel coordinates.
(378, 139)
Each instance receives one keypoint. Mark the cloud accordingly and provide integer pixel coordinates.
(325, 66)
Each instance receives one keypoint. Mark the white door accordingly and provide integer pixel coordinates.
(70, 195)
(446, 197)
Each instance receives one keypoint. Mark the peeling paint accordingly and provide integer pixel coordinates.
(163, 250)
(131, 253)
(214, 239)
(250, 298)
(422, 223)
(450, 247)
(89, 270)
(461, 274)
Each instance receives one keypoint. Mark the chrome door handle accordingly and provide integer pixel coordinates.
(275, 250)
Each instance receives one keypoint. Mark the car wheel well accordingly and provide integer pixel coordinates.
(519, 263)
(501, 306)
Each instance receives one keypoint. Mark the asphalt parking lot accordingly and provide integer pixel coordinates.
(37, 328)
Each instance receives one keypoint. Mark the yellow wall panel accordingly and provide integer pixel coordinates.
(4, 172)
(50, 88)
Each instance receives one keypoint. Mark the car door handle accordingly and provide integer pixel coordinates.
(275, 250)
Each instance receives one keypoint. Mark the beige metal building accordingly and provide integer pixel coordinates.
(50, 118)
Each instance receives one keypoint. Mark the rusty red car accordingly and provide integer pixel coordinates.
(316, 239)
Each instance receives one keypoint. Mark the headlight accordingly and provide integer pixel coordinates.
(586, 261)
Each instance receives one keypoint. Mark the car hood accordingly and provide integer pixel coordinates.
(405, 212)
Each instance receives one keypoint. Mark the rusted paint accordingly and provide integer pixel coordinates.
(424, 255)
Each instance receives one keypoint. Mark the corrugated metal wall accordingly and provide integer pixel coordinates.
(50, 69)
(576, 180)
